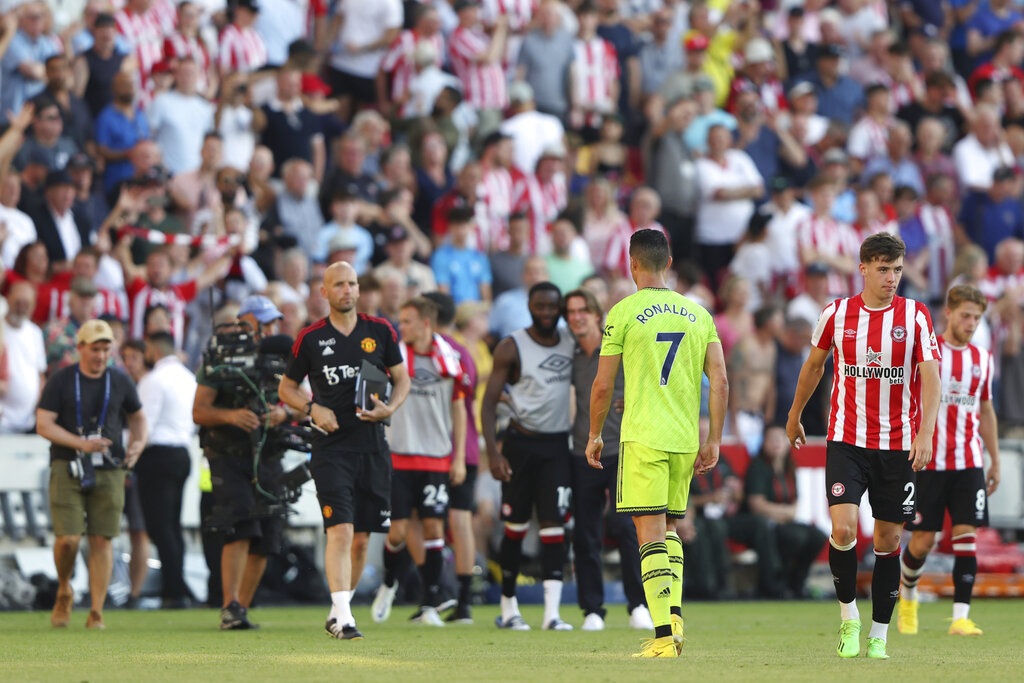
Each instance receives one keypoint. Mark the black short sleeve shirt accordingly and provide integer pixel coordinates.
(331, 360)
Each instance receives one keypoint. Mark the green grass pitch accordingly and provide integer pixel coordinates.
(758, 641)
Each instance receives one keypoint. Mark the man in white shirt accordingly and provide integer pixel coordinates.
(978, 155)
(180, 118)
(25, 360)
(531, 131)
(20, 230)
(166, 394)
(360, 33)
(786, 213)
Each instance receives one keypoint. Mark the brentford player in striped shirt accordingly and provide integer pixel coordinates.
(885, 388)
(956, 479)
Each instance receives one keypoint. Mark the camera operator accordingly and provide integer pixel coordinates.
(351, 461)
(82, 413)
(231, 432)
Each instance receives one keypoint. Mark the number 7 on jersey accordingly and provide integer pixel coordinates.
(674, 339)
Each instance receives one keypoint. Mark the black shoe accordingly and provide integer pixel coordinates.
(342, 632)
(234, 617)
(175, 603)
(460, 615)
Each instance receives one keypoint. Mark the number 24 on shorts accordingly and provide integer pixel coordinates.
(673, 339)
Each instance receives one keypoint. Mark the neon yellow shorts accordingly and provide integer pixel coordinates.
(653, 482)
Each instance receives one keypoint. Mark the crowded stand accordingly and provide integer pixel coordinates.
(161, 162)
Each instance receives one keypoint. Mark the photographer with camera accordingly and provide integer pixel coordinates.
(235, 414)
(82, 413)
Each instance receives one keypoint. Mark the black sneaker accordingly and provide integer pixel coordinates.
(234, 617)
(342, 632)
(460, 615)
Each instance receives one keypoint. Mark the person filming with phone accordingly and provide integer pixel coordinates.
(82, 413)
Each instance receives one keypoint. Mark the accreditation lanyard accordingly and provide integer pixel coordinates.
(78, 403)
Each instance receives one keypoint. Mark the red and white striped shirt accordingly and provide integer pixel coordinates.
(596, 71)
(179, 46)
(966, 374)
(938, 228)
(499, 189)
(875, 387)
(484, 85)
(146, 36)
(398, 62)
(826, 236)
(241, 50)
(616, 259)
(543, 202)
(174, 298)
(166, 15)
(997, 283)
(520, 14)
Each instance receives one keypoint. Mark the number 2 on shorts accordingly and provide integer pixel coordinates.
(674, 339)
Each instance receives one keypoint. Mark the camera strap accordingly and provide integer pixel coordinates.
(78, 402)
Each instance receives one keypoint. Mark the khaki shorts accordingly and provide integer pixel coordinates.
(653, 482)
(96, 513)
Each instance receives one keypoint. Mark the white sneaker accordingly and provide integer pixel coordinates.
(593, 622)
(380, 610)
(429, 617)
(640, 619)
(557, 624)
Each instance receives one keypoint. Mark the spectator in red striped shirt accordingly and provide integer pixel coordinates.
(241, 47)
(594, 83)
(186, 42)
(476, 60)
(140, 26)
(398, 65)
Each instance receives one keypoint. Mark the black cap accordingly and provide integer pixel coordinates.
(494, 138)
(817, 268)
(103, 19)
(780, 183)
(396, 233)
(59, 177)
(250, 5)
(830, 50)
(1004, 173)
(80, 160)
(460, 5)
(797, 11)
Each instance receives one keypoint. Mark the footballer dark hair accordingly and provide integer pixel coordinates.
(650, 249)
(883, 247)
(544, 287)
(445, 307)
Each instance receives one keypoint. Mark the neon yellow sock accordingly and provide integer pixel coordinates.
(657, 578)
(675, 563)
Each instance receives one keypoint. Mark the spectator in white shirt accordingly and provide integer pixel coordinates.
(531, 131)
(25, 359)
(166, 394)
(729, 184)
(360, 32)
(979, 154)
(180, 118)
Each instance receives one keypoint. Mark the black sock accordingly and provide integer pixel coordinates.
(431, 572)
(885, 586)
(843, 564)
(395, 560)
(465, 583)
(510, 557)
(965, 568)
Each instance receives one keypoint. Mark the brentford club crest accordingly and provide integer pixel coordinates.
(899, 333)
(838, 489)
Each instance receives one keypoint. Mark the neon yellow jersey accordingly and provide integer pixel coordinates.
(662, 337)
